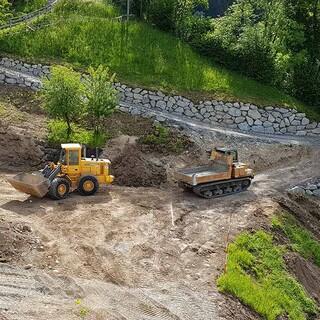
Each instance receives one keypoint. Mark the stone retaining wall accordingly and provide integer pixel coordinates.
(236, 115)
(36, 70)
(14, 78)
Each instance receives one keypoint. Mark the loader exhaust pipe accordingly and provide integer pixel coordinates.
(97, 154)
(84, 150)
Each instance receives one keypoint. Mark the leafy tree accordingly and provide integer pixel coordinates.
(101, 97)
(183, 11)
(4, 11)
(168, 15)
(63, 95)
(276, 41)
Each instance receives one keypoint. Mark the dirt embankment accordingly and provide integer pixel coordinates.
(307, 274)
(306, 210)
(18, 149)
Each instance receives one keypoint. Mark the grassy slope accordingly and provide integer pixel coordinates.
(256, 274)
(83, 34)
(301, 240)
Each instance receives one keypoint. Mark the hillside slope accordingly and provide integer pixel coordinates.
(85, 33)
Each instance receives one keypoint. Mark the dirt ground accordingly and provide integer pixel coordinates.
(143, 252)
(139, 249)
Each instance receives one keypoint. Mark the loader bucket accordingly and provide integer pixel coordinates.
(34, 184)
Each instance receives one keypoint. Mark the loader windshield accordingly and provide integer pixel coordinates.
(63, 158)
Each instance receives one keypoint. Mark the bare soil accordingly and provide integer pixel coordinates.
(132, 167)
(307, 274)
(152, 251)
(15, 240)
(132, 250)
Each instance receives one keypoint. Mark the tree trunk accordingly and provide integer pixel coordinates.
(69, 130)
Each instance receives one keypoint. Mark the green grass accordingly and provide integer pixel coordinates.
(256, 274)
(82, 34)
(301, 240)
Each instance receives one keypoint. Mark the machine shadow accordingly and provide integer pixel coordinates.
(37, 206)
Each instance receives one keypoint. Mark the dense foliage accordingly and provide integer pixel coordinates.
(20, 7)
(274, 41)
(277, 41)
(63, 95)
(169, 15)
(101, 97)
(4, 11)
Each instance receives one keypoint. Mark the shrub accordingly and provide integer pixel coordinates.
(306, 81)
(101, 97)
(57, 134)
(161, 13)
(164, 140)
(4, 11)
(63, 95)
(22, 7)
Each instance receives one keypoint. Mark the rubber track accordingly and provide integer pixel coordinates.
(200, 189)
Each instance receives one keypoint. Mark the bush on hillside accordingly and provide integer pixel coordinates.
(63, 95)
(306, 82)
(101, 97)
(69, 98)
(57, 134)
(4, 11)
(20, 7)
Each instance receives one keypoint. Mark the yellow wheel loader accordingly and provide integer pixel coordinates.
(72, 172)
(224, 175)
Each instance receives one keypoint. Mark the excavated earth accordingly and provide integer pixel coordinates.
(142, 248)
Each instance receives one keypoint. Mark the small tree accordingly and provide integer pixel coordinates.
(101, 97)
(63, 94)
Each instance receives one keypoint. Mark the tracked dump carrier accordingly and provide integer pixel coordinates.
(225, 175)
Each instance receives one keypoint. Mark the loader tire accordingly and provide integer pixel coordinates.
(88, 185)
(59, 189)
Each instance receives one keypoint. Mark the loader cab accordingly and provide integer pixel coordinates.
(70, 158)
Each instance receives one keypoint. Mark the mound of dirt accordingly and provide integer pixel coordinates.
(16, 241)
(133, 168)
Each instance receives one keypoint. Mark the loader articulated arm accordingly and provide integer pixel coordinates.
(54, 172)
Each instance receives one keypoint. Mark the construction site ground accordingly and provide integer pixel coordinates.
(149, 251)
